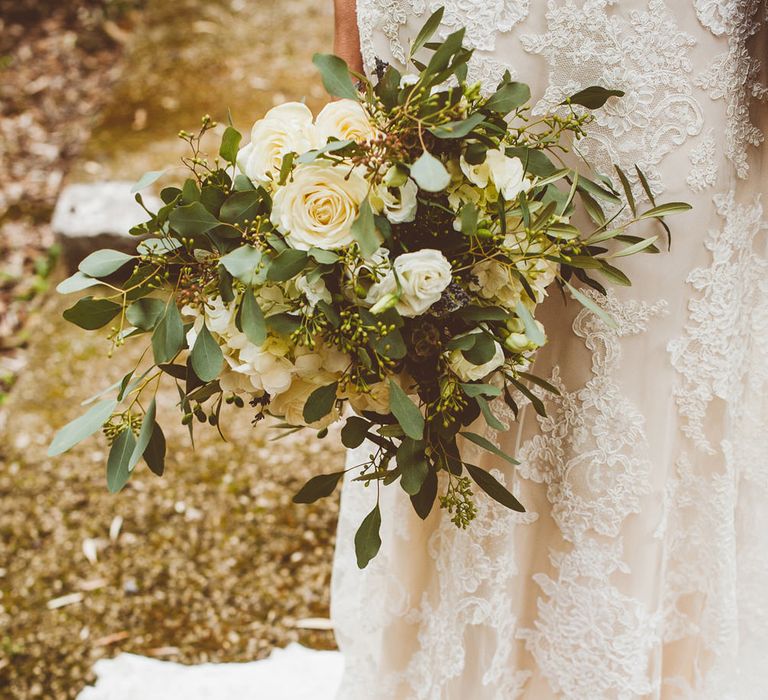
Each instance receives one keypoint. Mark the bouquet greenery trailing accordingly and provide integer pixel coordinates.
(382, 261)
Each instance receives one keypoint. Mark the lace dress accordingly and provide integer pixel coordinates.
(641, 567)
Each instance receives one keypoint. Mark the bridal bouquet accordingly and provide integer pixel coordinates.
(381, 264)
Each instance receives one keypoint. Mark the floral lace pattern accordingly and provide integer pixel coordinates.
(640, 569)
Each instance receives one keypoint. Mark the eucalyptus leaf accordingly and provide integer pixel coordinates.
(86, 425)
(145, 435)
(147, 179)
(118, 471)
(76, 283)
(230, 143)
(207, 358)
(423, 501)
(429, 173)
(145, 313)
(367, 538)
(243, 264)
(364, 229)
(192, 219)
(407, 413)
(320, 403)
(287, 265)
(90, 313)
(494, 488)
(486, 444)
(168, 336)
(318, 487)
(241, 206)
(336, 77)
(593, 97)
(104, 262)
(458, 129)
(412, 461)
(154, 454)
(250, 319)
(354, 431)
(508, 97)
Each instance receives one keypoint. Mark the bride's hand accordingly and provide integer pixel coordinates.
(346, 43)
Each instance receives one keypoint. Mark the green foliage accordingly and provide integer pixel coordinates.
(90, 313)
(407, 413)
(102, 263)
(82, 427)
(318, 487)
(320, 402)
(168, 336)
(206, 357)
(119, 459)
(335, 75)
(367, 538)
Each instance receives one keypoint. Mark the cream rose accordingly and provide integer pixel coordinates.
(376, 400)
(345, 119)
(496, 282)
(469, 372)
(318, 206)
(399, 208)
(284, 129)
(416, 281)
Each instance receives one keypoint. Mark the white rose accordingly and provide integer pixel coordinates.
(290, 404)
(267, 366)
(284, 129)
(497, 283)
(400, 208)
(313, 291)
(508, 174)
(345, 119)
(318, 206)
(422, 276)
(469, 372)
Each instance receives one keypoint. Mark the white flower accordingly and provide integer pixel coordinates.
(469, 372)
(345, 119)
(417, 279)
(267, 366)
(376, 399)
(290, 404)
(409, 79)
(318, 206)
(284, 129)
(507, 173)
(400, 208)
(497, 283)
(313, 291)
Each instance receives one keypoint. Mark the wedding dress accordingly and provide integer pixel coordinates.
(640, 569)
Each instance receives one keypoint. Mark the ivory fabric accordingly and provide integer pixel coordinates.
(641, 567)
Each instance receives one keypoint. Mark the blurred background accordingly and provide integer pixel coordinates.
(212, 562)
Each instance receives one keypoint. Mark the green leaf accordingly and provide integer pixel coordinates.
(490, 419)
(118, 461)
(168, 336)
(473, 390)
(412, 461)
(145, 313)
(429, 173)
(494, 488)
(407, 413)
(426, 32)
(367, 539)
(76, 283)
(468, 217)
(154, 454)
(627, 189)
(318, 487)
(102, 263)
(192, 219)
(593, 97)
(508, 97)
(484, 313)
(634, 248)
(531, 329)
(646, 187)
(335, 75)
(482, 350)
(320, 403)
(364, 229)
(287, 265)
(90, 313)
(587, 303)
(145, 434)
(665, 209)
(330, 147)
(488, 445)
(147, 179)
(243, 264)
(457, 129)
(82, 427)
(324, 257)
(283, 323)
(543, 383)
(230, 143)
(243, 183)
(207, 358)
(354, 431)
(423, 501)
(241, 206)
(250, 319)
